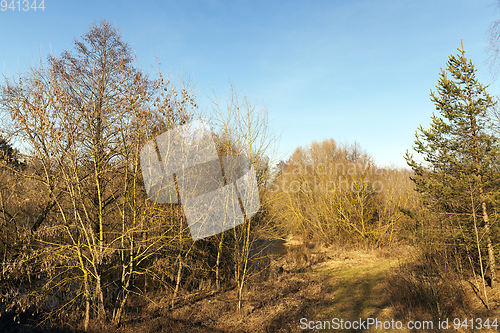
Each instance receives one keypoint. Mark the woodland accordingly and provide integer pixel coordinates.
(84, 249)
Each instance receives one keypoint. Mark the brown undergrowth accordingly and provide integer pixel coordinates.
(312, 283)
(319, 285)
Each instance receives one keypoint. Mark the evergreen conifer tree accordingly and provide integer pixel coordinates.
(460, 174)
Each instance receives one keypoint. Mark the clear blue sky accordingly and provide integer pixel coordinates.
(349, 70)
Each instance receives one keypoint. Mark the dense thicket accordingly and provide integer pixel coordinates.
(79, 234)
(334, 193)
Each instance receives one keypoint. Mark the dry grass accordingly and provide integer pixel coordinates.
(318, 284)
(321, 285)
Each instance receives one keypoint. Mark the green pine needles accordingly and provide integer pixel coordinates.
(459, 148)
(459, 177)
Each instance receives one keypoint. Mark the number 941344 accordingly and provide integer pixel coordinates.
(22, 5)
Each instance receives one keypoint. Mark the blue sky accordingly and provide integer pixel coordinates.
(348, 70)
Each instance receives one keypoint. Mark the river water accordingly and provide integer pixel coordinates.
(264, 247)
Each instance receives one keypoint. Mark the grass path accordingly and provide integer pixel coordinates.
(346, 286)
(357, 287)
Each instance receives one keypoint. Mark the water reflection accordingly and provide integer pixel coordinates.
(268, 247)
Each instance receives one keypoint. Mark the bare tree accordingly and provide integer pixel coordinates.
(494, 47)
(84, 120)
(243, 130)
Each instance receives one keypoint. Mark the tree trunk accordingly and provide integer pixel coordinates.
(101, 313)
(117, 315)
(491, 254)
(87, 305)
(179, 273)
(217, 274)
(246, 249)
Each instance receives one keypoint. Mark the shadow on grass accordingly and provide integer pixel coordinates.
(342, 293)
